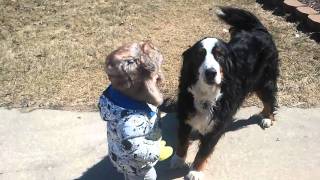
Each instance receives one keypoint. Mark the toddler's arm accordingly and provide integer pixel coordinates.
(132, 131)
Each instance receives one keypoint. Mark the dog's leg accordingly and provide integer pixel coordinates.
(207, 144)
(267, 94)
(178, 159)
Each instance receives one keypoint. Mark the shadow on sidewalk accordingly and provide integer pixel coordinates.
(242, 123)
(104, 170)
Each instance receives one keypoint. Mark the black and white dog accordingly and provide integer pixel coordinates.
(215, 79)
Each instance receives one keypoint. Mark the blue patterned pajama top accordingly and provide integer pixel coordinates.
(133, 132)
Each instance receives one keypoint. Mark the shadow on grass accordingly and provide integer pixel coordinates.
(104, 170)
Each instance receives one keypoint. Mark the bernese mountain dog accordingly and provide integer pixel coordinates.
(216, 77)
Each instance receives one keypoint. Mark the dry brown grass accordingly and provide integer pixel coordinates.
(52, 52)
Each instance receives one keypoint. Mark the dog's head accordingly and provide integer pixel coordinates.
(135, 70)
(206, 61)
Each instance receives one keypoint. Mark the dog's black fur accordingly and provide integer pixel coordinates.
(249, 63)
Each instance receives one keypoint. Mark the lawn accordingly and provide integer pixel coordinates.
(52, 52)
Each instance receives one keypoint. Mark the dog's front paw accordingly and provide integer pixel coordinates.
(177, 162)
(194, 175)
(266, 123)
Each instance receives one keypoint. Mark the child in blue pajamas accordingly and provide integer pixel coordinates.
(133, 133)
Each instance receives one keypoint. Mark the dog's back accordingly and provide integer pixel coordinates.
(251, 42)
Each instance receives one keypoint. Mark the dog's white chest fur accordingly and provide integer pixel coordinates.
(204, 98)
(201, 122)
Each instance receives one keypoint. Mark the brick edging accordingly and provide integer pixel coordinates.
(307, 18)
(303, 13)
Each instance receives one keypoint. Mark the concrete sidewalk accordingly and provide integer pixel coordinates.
(49, 144)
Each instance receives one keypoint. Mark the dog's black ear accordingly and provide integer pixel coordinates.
(186, 73)
(187, 54)
(228, 64)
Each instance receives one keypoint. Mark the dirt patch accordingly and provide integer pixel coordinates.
(52, 53)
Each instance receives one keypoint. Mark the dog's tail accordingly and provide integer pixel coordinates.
(240, 19)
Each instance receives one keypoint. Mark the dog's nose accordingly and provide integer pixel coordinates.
(210, 75)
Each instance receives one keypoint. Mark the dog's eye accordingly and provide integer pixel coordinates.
(202, 52)
(217, 52)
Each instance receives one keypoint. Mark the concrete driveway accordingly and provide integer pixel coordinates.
(49, 144)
